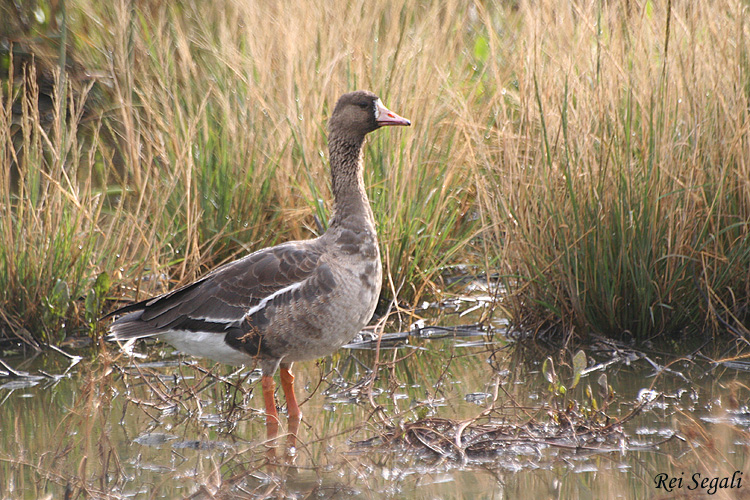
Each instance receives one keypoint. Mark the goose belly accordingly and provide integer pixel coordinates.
(209, 345)
(332, 320)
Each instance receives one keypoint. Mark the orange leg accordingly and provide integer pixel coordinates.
(272, 416)
(287, 384)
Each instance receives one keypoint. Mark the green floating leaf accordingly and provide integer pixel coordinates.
(579, 364)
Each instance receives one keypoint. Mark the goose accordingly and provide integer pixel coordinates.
(297, 301)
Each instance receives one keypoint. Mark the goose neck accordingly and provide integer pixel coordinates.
(350, 202)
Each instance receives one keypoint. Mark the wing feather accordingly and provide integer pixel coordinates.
(221, 299)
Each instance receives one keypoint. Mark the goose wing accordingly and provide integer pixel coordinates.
(227, 296)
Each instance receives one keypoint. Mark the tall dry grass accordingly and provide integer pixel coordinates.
(595, 152)
(212, 143)
(620, 188)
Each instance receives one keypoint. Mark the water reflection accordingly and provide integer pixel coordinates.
(162, 426)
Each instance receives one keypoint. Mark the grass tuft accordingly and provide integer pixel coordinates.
(623, 206)
(595, 153)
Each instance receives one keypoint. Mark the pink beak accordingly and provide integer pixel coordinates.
(385, 116)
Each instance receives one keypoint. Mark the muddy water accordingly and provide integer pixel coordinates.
(158, 425)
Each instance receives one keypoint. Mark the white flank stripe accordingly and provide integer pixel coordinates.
(228, 321)
(265, 301)
(206, 345)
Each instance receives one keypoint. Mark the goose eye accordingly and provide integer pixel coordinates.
(363, 105)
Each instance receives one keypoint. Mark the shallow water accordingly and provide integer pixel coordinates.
(162, 426)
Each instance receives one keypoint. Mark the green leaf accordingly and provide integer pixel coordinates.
(60, 296)
(93, 301)
(102, 285)
(579, 364)
(91, 305)
(481, 49)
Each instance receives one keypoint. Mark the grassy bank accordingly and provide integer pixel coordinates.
(595, 153)
(204, 138)
(620, 190)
